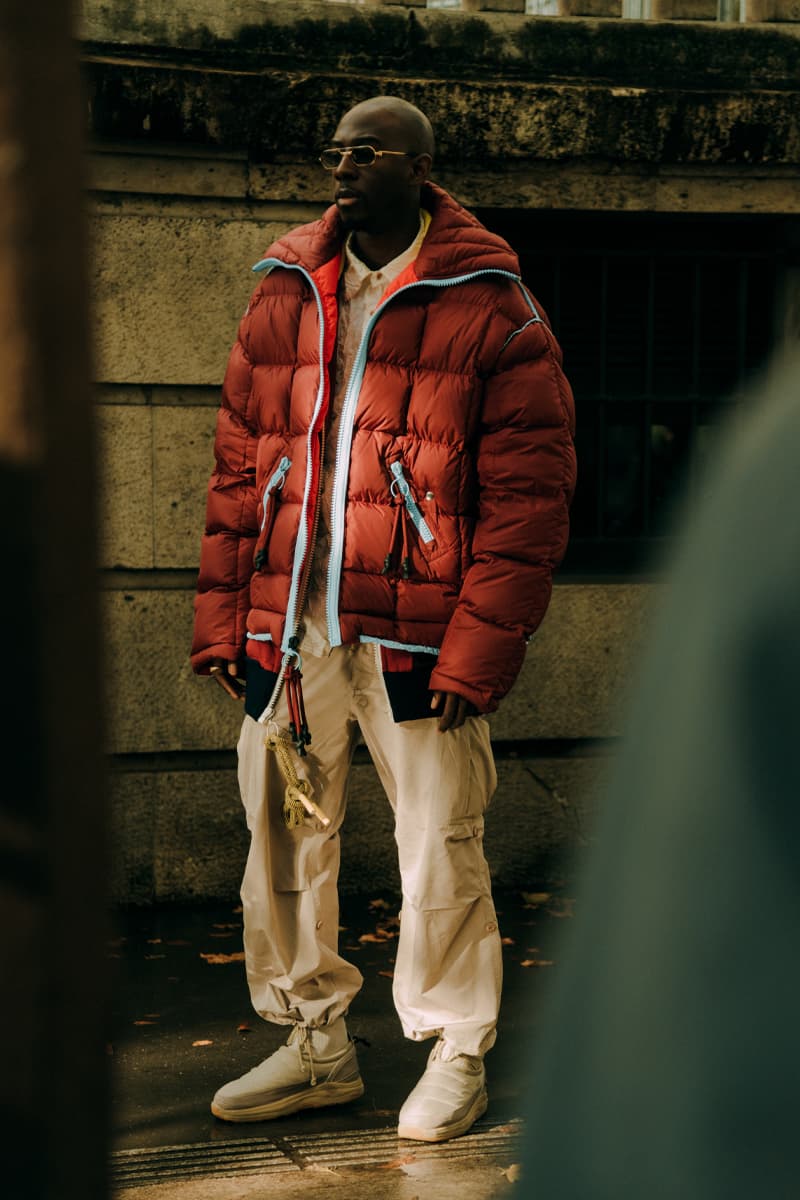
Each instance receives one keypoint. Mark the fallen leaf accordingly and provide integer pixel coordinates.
(227, 925)
(512, 1173)
(219, 934)
(243, 1027)
(387, 974)
(237, 956)
(506, 941)
(344, 929)
(536, 962)
(238, 909)
(203, 1042)
(144, 1022)
(154, 941)
(377, 938)
(399, 1162)
(536, 897)
(380, 905)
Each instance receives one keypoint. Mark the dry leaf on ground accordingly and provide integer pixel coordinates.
(227, 925)
(380, 905)
(535, 898)
(536, 962)
(377, 938)
(144, 1022)
(387, 974)
(154, 941)
(203, 1042)
(507, 941)
(512, 1173)
(238, 956)
(243, 1027)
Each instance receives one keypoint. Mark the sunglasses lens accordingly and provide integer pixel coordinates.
(363, 156)
(330, 159)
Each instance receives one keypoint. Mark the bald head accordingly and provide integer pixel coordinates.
(396, 115)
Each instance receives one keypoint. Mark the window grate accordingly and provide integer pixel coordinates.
(663, 322)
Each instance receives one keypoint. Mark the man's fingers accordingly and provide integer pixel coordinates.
(225, 674)
(436, 700)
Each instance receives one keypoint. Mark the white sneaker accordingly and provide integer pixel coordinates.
(448, 1099)
(310, 1071)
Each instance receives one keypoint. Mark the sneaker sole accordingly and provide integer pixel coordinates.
(441, 1133)
(317, 1097)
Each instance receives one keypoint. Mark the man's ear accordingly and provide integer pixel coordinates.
(421, 168)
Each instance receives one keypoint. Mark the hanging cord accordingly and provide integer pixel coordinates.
(406, 563)
(387, 562)
(300, 1035)
(297, 797)
(298, 725)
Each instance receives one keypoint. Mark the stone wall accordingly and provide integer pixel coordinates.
(205, 121)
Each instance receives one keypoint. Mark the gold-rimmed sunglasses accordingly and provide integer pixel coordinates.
(362, 156)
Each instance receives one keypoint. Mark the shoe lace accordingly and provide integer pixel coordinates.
(301, 1035)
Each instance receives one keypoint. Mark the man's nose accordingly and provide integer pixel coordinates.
(346, 168)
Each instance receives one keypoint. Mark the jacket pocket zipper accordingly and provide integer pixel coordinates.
(275, 483)
(406, 509)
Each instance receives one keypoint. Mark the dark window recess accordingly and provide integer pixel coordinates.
(663, 322)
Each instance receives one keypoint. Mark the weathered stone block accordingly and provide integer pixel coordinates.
(200, 835)
(590, 8)
(772, 10)
(578, 664)
(154, 701)
(183, 444)
(132, 858)
(168, 293)
(125, 486)
(684, 10)
(181, 835)
(572, 683)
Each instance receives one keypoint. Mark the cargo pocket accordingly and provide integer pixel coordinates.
(455, 871)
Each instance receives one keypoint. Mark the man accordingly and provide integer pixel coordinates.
(394, 465)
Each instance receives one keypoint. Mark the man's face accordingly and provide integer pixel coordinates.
(374, 199)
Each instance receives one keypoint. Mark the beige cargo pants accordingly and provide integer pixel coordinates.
(448, 967)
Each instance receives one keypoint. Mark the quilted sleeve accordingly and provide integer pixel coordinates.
(526, 476)
(226, 553)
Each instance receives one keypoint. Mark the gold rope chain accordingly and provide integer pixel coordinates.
(297, 798)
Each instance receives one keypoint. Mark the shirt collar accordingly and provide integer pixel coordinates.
(355, 272)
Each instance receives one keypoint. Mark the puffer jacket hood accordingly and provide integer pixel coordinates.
(454, 461)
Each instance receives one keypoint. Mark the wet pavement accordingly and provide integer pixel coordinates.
(183, 1025)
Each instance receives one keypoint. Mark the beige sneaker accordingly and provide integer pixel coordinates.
(315, 1068)
(448, 1099)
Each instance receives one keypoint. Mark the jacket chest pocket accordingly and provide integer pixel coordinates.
(266, 509)
(413, 539)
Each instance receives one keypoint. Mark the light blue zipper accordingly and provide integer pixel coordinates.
(301, 545)
(342, 468)
(400, 481)
(276, 481)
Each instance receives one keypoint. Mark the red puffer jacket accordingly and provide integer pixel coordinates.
(454, 463)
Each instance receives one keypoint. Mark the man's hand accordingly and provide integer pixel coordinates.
(455, 712)
(225, 673)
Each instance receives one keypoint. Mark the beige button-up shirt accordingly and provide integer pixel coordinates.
(360, 291)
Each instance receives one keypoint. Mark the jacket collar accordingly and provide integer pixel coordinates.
(456, 242)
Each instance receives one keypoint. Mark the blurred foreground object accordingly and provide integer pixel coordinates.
(667, 1064)
(52, 896)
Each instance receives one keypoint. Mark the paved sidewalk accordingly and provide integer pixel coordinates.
(183, 1025)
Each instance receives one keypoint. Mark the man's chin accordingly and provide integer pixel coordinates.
(353, 218)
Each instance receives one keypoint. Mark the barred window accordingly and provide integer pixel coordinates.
(663, 321)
